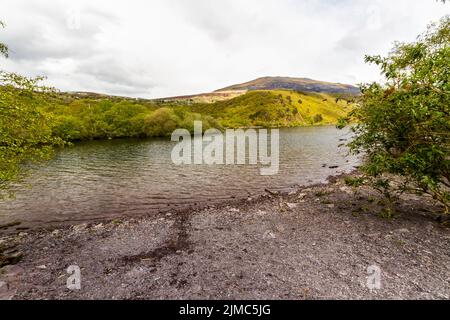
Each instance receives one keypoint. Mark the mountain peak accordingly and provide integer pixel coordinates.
(291, 83)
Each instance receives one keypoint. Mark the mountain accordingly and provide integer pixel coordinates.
(297, 84)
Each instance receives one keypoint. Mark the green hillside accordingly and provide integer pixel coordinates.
(80, 118)
(277, 108)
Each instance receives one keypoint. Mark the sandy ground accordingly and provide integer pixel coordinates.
(316, 243)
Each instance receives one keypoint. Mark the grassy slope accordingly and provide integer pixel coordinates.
(276, 108)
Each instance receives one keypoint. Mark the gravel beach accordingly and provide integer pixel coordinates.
(314, 243)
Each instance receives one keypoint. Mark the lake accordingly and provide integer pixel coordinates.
(107, 179)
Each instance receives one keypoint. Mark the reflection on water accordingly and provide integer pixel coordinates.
(99, 179)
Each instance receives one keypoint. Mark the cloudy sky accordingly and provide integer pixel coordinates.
(157, 48)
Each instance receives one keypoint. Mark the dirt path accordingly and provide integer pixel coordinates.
(313, 244)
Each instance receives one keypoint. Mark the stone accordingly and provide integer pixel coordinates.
(4, 287)
(11, 257)
(269, 235)
(346, 190)
(11, 271)
(42, 267)
(80, 227)
(291, 205)
(98, 226)
(56, 233)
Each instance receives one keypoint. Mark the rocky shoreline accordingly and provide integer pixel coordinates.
(313, 243)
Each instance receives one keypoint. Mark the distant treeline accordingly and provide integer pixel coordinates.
(87, 118)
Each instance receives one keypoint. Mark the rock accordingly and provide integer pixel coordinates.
(98, 226)
(56, 233)
(301, 195)
(4, 287)
(403, 231)
(269, 235)
(331, 205)
(10, 257)
(291, 205)
(346, 190)
(11, 271)
(234, 210)
(80, 227)
(22, 234)
(42, 267)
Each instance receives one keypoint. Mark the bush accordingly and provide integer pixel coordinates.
(317, 118)
(404, 124)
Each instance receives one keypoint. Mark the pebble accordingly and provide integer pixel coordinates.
(80, 227)
(99, 226)
(346, 190)
(291, 205)
(269, 234)
(42, 267)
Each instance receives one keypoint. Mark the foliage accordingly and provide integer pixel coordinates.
(404, 124)
(106, 118)
(3, 47)
(25, 131)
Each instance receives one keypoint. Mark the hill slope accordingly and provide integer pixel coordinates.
(276, 108)
(297, 84)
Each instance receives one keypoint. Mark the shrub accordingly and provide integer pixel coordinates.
(404, 124)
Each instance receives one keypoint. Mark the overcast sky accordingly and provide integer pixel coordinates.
(157, 48)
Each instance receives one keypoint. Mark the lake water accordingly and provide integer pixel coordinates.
(106, 179)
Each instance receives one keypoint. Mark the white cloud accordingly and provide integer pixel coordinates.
(171, 47)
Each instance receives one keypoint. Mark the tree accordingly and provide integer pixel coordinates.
(25, 131)
(3, 47)
(403, 125)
